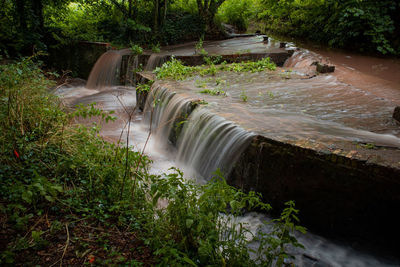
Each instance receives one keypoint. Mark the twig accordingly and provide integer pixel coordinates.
(66, 245)
(130, 114)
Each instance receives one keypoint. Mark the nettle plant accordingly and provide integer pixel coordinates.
(200, 225)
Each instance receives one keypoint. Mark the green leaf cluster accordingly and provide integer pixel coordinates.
(176, 70)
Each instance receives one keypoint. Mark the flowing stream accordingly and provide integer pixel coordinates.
(174, 132)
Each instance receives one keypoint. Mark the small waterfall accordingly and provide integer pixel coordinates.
(204, 141)
(106, 71)
(155, 60)
(209, 142)
(132, 65)
(167, 112)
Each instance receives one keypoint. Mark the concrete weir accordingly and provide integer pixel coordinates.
(342, 188)
(336, 194)
(328, 141)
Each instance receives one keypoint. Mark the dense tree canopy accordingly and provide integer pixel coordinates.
(27, 25)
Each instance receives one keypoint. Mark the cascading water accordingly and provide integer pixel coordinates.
(106, 71)
(166, 112)
(209, 142)
(155, 60)
(132, 66)
(205, 143)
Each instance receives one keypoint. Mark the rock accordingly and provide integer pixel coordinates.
(396, 113)
(75, 82)
(266, 40)
(324, 68)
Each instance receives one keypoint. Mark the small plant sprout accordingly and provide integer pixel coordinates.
(199, 45)
(213, 92)
(243, 96)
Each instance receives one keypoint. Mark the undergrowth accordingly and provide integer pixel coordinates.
(68, 197)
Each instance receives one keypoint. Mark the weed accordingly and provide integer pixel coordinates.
(369, 146)
(199, 44)
(212, 60)
(200, 84)
(250, 66)
(136, 49)
(176, 70)
(243, 96)
(213, 92)
(156, 48)
(144, 87)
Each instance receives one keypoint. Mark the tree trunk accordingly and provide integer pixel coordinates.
(165, 11)
(20, 7)
(37, 6)
(156, 12)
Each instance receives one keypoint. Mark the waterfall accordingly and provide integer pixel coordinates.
(204, 141)
(209, 142)
(107, 70)
(130, 65)
(155, 60)
(166, 111)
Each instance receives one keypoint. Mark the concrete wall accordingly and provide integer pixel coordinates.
(78, 58)
(336, 195)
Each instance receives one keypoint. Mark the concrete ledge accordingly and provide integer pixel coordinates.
(336, 195)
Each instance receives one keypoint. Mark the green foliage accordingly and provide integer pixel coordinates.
(364, 25)
(144, 87)
(199, 44)
(181, 26)
(237, 13)
(156, 48)
(215, 91)
(212, 60)
(250, 66)
(276, 242)
(136, 49)
(176, 70)
(243, 96)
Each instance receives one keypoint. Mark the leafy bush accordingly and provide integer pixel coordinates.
(199, 225)
(136, 49)
(237, 13)
(364, 25)
(176, 70)
(250, 66)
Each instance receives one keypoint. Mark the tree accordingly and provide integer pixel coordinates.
(207, 10)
